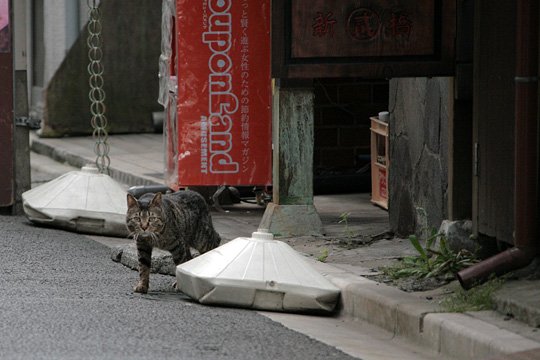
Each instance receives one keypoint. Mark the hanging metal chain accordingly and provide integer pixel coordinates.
(97, 94)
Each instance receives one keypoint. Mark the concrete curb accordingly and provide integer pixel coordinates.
(454, 335)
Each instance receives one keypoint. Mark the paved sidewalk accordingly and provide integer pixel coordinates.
(138, 160)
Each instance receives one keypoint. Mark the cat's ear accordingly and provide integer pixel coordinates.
(156, 201)
(131, 201)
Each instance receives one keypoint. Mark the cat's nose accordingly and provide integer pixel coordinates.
(144, 226)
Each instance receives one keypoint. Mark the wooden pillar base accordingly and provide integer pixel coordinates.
(291, 220)
(292, 212)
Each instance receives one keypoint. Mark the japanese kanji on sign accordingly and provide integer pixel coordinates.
(363, 38)
(224, 92)
(376, 28)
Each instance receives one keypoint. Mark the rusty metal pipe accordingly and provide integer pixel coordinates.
(526, 118)
(526, 245)
(500, 264)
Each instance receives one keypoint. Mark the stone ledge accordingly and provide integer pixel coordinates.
(162, 262)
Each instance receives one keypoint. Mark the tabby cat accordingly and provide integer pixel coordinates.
(173, 222)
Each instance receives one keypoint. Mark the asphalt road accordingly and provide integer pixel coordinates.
(61, 297)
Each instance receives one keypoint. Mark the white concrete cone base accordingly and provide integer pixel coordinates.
(84, 201)
(258, 273)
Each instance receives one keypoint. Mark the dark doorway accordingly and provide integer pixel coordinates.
(343, 107)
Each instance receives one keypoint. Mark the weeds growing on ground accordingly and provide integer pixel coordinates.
(344, 219)
(430, 262)
(476, 299)
(350, 234)
(323, 256)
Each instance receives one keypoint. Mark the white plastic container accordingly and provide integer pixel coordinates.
(83, 201)
(259, 273)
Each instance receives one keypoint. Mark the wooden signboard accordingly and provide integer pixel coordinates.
(363, 38)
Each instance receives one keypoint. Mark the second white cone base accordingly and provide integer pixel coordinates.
(259, 273)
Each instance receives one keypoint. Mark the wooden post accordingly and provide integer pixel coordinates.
(292, 212)
(20, 109)
(6, 114)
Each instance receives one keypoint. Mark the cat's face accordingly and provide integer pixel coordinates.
(145, 218)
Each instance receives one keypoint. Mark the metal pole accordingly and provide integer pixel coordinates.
(526, 141)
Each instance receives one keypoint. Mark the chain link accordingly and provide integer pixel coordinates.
(97, 94)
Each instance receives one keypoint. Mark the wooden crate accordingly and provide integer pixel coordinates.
(379, 162)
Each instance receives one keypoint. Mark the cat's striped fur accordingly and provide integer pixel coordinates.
(173, 222)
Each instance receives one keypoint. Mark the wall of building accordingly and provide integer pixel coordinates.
(58, 33)
(55, 25)
(420, 110)
(131, 49)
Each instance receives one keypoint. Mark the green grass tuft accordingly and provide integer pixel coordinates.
(476, 299)
(323, 256)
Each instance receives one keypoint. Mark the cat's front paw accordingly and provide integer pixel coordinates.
(140, 288)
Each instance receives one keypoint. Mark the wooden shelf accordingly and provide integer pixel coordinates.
(379, 162)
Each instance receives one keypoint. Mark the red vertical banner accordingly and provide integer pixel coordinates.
(224, 92)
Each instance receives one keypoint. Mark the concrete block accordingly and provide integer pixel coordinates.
(521, 299)
(162, 262)
(431, 332)
(375, 303)
(410, 322)
(291, 220)
(465, 337)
